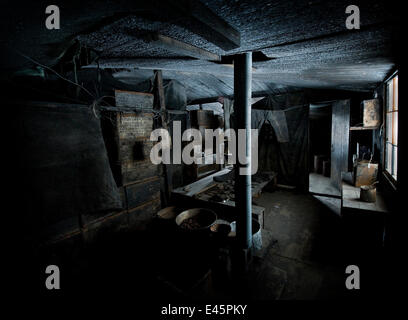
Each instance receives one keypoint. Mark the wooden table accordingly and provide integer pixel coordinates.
(350, 200)
(195, 194)
(364, 221)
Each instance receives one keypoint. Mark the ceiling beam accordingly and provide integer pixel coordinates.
(206, 23)
(166, 64)
(179, 47)
(255, 96)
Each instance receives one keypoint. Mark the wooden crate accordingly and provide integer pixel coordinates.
(371, 113)
(129, 153)
(365, 173)
(132, 99)
(127, 137)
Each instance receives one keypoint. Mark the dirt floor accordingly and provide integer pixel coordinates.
(319, 184)
(302, 245)
(304, 256)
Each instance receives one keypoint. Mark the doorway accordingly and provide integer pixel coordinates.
(320, 150)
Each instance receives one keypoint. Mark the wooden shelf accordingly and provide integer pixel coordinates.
(362, 128)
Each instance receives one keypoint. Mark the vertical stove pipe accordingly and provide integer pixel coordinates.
(242, 111)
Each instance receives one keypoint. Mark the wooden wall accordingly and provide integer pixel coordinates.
(127, 137)
(126, 134)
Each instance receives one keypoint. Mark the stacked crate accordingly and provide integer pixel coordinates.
(129, 146)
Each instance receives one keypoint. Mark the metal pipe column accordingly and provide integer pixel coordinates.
(242, 112)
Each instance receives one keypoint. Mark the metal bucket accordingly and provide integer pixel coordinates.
(256, 234)
(164, 219)
(221, 228)
(196, 219)
(168, 213)
(368, 193)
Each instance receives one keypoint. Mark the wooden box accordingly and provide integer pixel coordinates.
(365, 173)
(134, 100)
(371, 113)
(127, 138)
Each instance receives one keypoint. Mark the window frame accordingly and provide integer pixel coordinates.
(389, 175)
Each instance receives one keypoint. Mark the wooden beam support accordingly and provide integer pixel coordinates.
(206, 23)
(259, 94)
(179, 47)
(160, 104)
(159, 95)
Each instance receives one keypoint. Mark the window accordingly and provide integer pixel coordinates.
(391, 127)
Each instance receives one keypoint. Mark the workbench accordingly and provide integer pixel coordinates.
(201, 194)
(350, 200)
(364, 222)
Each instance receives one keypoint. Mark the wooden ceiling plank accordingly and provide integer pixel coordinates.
(180, 47)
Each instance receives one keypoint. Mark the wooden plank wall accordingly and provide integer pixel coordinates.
(127, 138)
(126, 132)
(132, 136)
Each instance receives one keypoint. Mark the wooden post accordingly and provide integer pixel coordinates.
(160, 104)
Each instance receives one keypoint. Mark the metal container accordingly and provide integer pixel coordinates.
(168, 213)
(256, 233)
(221, 228)
(164, 220)
(202, 118)
(368, 193)
(201, 219)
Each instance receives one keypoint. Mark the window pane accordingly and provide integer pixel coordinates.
(388, 127)
(391, 127)
(389, 96)
(396, 93)
(394, 162)
(388, 157)
(395, 128)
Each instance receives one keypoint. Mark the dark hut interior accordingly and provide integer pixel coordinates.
(105, 100)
